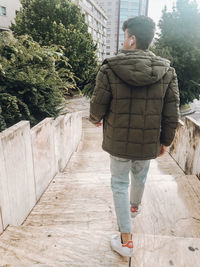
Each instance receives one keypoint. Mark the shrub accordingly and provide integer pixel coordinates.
(33, 80)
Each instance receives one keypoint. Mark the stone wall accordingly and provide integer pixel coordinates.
(29, 160)
(185, 148)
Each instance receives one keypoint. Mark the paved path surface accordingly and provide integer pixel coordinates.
(193, 111)
(72, 223)
(195, 106)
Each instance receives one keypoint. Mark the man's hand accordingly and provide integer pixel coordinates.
(163, 149)
(98, 124)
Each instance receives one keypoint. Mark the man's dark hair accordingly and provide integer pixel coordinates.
(143, 28)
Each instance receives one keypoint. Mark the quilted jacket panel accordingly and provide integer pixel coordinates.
(137, 96)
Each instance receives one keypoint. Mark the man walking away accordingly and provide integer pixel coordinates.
(136, 95)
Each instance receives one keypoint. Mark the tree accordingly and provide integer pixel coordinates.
(179, 41)
(33, 80)
(89, 87)
(59, 22)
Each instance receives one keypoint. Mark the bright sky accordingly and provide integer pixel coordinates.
(156, 7)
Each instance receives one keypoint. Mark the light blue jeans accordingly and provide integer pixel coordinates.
(120, 169)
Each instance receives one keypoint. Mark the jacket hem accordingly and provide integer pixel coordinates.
(128, 157)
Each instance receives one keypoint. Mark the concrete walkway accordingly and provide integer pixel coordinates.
(72, 223)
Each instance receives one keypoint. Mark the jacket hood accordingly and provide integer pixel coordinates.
(137, 67)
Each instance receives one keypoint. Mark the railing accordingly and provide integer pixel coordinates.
(29, 160)
(185, 148)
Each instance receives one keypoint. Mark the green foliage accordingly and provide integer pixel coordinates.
(59, 22)
(33, 80)
(179, 41)
(89, 87)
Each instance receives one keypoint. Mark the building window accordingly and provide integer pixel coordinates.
(88, 4)
(2, 11)
(89, 30)
(89, 18)
(107, 53)
(95, 23)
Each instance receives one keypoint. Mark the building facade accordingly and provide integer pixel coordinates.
(117, 12)
(8, 11)
(96, 20)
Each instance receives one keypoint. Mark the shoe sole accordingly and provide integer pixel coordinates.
(123, 254)
(119, 252)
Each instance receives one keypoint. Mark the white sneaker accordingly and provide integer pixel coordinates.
(135, 211)
(125, 250)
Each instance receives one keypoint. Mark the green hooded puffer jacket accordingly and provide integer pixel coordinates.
(137, 96)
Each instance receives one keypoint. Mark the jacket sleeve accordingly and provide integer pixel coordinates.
(170, 113)
(101, 97)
